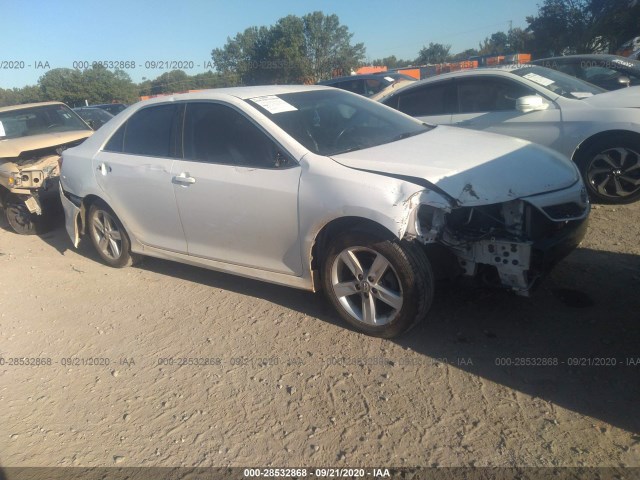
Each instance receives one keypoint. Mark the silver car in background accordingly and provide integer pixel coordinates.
(318, 188)
(598, 130)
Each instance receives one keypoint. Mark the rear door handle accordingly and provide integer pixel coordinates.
(464, 123)
(184, 179)
(103, 168)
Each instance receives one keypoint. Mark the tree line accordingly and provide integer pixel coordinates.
(317, 46)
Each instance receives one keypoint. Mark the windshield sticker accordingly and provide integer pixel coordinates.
(622, 62)
(539, 79)
(389, 79)
(582, 94)
(273, 104)
(2, 132)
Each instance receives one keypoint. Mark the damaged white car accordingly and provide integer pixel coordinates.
(317, 188)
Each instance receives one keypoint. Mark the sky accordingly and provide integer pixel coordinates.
(39, 35)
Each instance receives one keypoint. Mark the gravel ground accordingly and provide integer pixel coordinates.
(287, 384)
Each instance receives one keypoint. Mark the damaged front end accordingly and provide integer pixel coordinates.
(31, 177)
(510, 244)
(27, 183)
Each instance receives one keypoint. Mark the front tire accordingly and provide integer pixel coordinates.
(611, 169)
(381, 287)
(108, 236)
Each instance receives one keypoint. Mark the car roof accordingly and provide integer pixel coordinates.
(27, 105)
(500, 70)
(242, 93)
(364, 76)
(590, 57)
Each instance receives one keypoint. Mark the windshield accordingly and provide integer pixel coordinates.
(558, 82)
(39, 120)
(96, 115)
(329, 122)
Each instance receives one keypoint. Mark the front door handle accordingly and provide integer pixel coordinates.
(184, 179)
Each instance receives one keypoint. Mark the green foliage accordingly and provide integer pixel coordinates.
(392, 62)
(328, 46)
(434, 53)
(177, 81)
(459, 57)
(583, 26)
(496, 44)
(93, 85)
(16, 96)
(519, 40)
(562, 27)
(294, 50)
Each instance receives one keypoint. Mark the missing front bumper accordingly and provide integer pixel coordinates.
(519, 265)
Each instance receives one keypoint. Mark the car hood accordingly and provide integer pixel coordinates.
(474, 168)
(624, 97)
(14, 147)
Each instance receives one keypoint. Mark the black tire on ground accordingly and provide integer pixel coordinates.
(108, 236)
(381, 287)
(610, 169)
(20, 219)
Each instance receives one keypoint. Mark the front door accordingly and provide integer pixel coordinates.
(237, 191)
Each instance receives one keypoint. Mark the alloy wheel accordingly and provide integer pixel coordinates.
(366, 286)
(615, 172)
(108, 236)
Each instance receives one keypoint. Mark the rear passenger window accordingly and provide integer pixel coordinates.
(150, 132)
(436, 99)
(116, 141)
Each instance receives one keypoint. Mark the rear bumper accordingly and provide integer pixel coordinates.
(71, 214)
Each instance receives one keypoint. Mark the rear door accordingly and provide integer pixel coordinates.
(134, 172)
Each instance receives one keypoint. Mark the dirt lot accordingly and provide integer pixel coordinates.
(287, 384)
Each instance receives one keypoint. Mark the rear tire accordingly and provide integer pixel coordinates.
(379, 286)
(108, 236)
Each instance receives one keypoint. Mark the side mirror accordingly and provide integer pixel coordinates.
(531, 103)
(624, 80)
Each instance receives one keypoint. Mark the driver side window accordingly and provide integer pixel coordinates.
(489, 95)
(216, 133)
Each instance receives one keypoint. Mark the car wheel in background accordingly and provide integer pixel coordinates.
(20, 219)
(108, 236)
(381, 287)
(611, 169)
